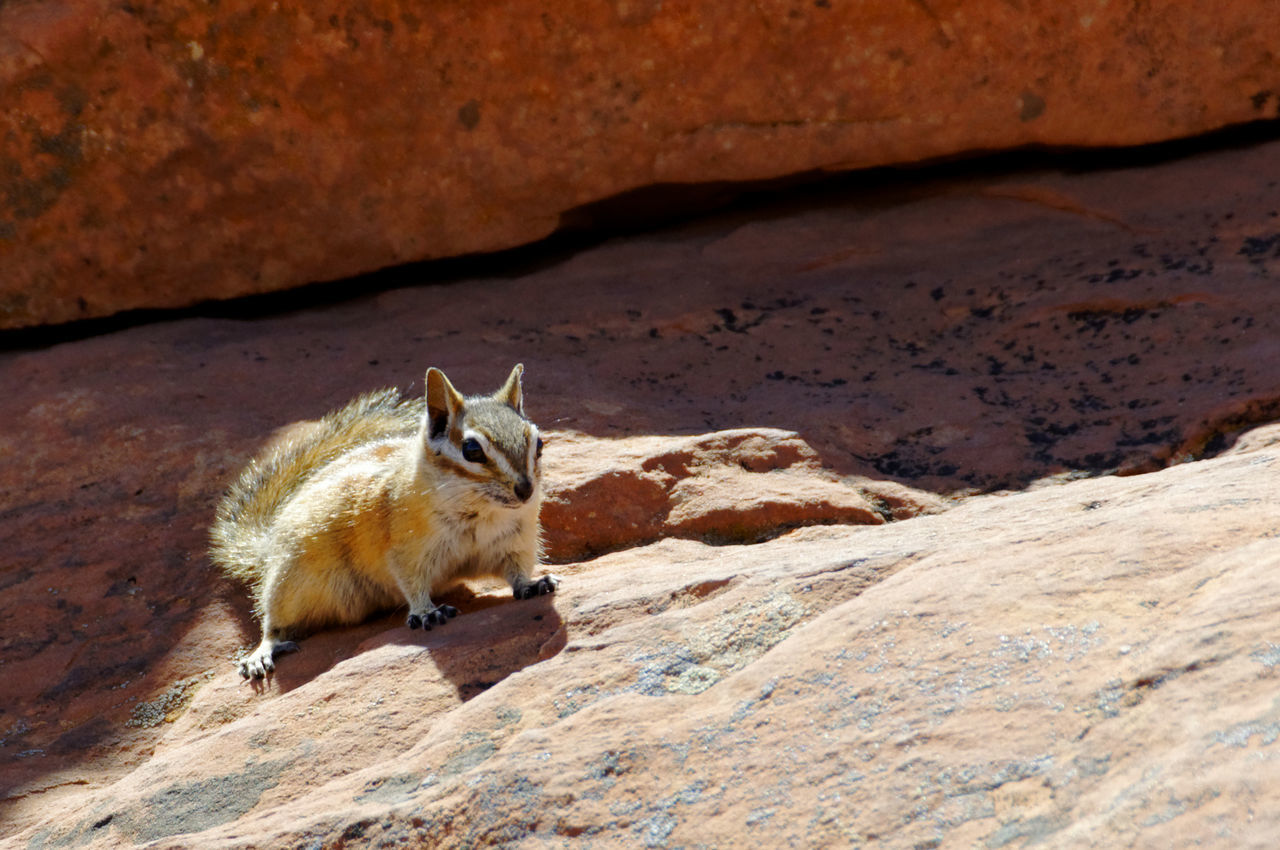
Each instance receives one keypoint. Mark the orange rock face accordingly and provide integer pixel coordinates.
(155, 154)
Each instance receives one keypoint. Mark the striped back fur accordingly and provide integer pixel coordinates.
(251, 503)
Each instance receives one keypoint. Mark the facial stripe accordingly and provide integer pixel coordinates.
(450, 448)
(499, 464)
(463, 469)
(499, 458)
(531, 452)
(485, 445)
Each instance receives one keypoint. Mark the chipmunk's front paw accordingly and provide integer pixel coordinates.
(262, 662)
(437, 616)
(256, 666)
(544, 585)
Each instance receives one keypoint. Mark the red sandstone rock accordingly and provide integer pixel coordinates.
(729, 486)
(155, 154)
(1072, 664)
(1084, 664)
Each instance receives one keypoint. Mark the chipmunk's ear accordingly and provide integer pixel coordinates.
(443, 403)
(511, 393)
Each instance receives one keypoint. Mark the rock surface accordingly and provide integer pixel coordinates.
(157, 154)
(822, 383)
(735, 486)
(1091, 660)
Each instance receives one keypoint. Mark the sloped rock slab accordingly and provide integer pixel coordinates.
(1087, 663)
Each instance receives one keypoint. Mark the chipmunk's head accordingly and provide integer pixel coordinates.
(485, 439)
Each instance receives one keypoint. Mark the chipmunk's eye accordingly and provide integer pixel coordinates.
(537, 452)
(471, 450)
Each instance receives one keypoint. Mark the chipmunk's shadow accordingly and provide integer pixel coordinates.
(492, 637)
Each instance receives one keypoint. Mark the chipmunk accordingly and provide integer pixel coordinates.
(379, 504)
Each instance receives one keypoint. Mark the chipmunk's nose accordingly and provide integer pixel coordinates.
(524, 489)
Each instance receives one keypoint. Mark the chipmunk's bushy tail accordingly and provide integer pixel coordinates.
(252, 502)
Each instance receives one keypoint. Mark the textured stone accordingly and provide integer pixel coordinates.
(728, 486)
(155, 154)
(1091, 658)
